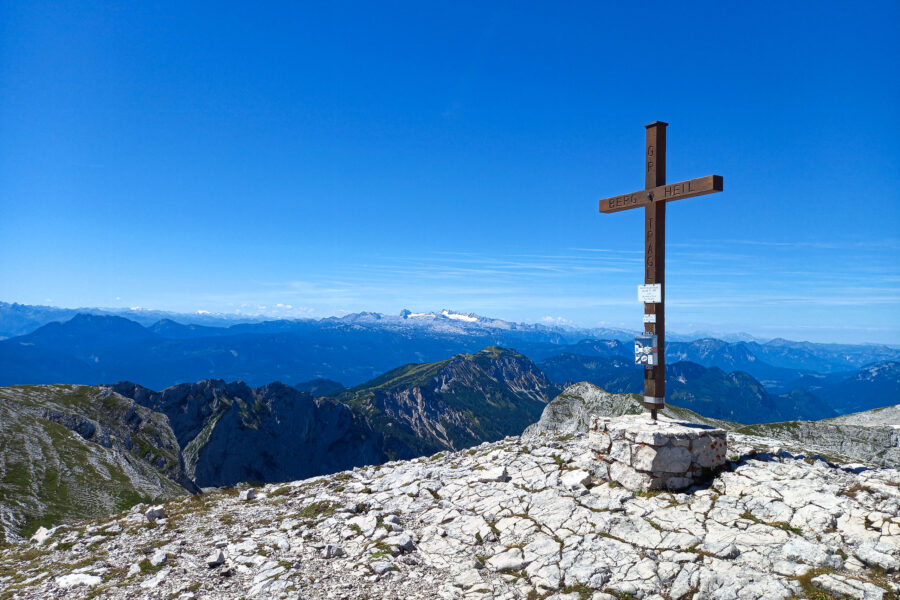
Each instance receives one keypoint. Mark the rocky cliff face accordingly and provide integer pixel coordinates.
(231, 432)
(570, 412)
(872, 436)
(70, 452)
(454, 403)
(510, 519)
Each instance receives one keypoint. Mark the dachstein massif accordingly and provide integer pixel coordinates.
(468, 472)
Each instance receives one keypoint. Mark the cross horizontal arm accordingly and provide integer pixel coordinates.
(664, 193)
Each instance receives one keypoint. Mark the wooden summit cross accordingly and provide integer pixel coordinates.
(653, 198)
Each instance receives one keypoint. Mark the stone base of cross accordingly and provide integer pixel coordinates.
(665, 456)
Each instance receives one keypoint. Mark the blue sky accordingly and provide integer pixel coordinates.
(308, 159)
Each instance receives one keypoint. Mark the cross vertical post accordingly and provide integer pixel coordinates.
(655, 264)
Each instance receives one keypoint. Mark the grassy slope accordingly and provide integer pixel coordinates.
(49, 474)
(478, 407)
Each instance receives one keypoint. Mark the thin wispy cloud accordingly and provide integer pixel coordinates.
(577, 286)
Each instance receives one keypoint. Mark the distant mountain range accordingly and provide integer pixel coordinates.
(20, 319)
(100, 349)
(94, 349)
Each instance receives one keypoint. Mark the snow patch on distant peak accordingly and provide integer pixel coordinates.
(459, 316)
(420, 315)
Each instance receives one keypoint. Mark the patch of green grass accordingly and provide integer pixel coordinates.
(785, 526)
(777, 524)
(146, 567)
(583, 591)
(749, 516)
(610, 536)
(280, 491)
(115, 574)
(317, 510)
(856, 489)
(649, 493)
(811, 591)
(620, 595)
(517, 573)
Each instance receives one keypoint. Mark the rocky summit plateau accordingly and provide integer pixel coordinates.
(523, 517)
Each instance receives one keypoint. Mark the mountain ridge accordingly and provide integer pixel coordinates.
(432, 406)
(231, 432)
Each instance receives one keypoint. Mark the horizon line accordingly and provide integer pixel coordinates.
(548, 322)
